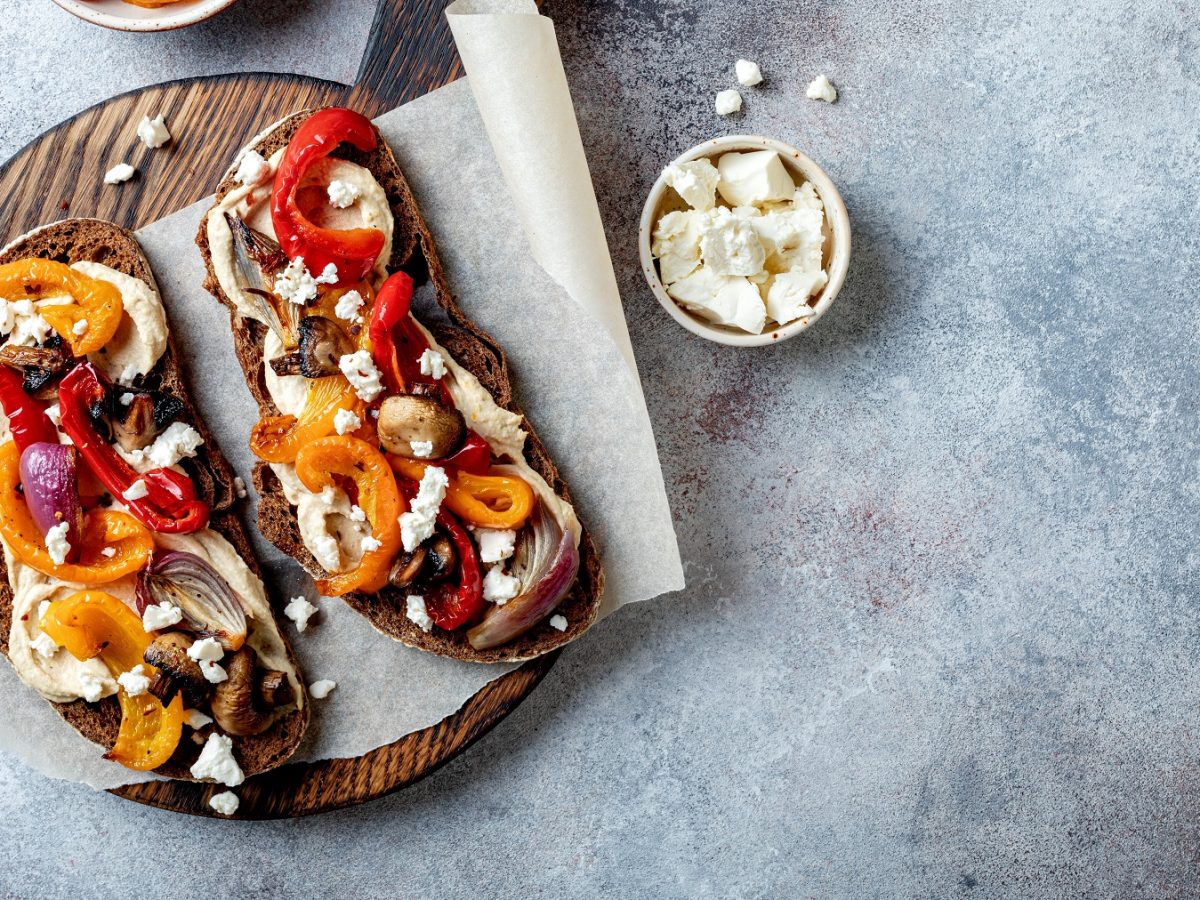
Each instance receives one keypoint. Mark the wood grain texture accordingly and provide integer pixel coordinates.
(61, 174)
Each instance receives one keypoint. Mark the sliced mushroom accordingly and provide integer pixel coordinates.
(275, 689)
(407, 568)
(442, 558)
(167, 408)
(177, 672)
(233, 699)
(322, 345)
(288, 364)
(134, 428)
(406, 418)
(39, 365)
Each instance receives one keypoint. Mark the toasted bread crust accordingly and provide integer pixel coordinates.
(413, 251)
(70, 241)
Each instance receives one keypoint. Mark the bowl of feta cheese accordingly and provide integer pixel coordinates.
(745, 241)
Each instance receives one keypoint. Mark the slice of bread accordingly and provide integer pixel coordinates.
(69, 241)
(413, 251)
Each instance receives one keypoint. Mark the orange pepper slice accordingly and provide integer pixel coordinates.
(102, 528)
(484, 501)
(95, 623)
(278, 439)
(326, 305)
(96, 302)
(349, 457)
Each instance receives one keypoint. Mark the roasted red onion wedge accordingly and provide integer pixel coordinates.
(51, 483)
(210, 606)
(546, 562)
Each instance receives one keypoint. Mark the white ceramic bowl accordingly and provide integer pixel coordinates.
(127, 17)
(836, 252)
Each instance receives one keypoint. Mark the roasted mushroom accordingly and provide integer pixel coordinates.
(39, 365)
(406, 418)
(442, 558)
(274, 689)
(177, 672)
(288, 364)
(233, 699)
(322, 345)
(133, 425)
(407, 567)
(431, 562)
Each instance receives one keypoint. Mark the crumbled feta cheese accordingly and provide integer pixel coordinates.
(153, 132)
(822, 89)
(748, 73)
(93, 687)
(417, 612)
(329, 275)
(57, 544)
(79, 327)
(345, 421)
(558, 623)
(319, 690)
(31, 329)
(421, 449)
(44, 645)
(135, 682)
(179, 440)
(694, 181)
(239, 486)
(126, 398)
(360, 371)
(195, 719)
(137, 490)
(109, 552)
(723, 299)
(348, 306)
(729, 244)
(252, 168)
(54, 414)
(728, 102)
(433, 363)
(754, 178)
(370, 544)
(208, 652)
(677, 244)
(295, 283)
(226, 802)
(119, 173)
(499, 588)
(342, 194)
(216, 762)
(357, 514)
(495, 544)
(8, 316)
(326, 550)
(299, 610)
(43, 608)
(161, 615)
(416, 525)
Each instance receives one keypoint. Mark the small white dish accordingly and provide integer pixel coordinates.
(128, 17)
(836, 252)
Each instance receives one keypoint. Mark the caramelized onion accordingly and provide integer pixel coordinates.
(210, 606)
(51, 483)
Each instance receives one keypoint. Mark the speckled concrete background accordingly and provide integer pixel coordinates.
(941, 638)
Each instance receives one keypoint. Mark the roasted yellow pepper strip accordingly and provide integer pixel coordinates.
(278, 439)
(94, 623)
(102, 528)
(95, 302)
(323, 460)
(484, 501)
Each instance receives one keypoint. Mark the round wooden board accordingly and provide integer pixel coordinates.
(60, 175)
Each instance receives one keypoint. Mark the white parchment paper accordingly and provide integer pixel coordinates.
(567, 344)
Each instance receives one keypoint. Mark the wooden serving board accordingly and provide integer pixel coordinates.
(409, 54)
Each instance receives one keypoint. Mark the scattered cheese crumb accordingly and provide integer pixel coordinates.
(226, 802)
(348, 306)
(119, 173)
(44, 645)
(495, 544)
(417, 612)
(357, 514)
(208, 653)
(345, 421)
(319, 690)
(499, 588)
(216, 762)
(239, 486)
(421, 449)
(295, 284)
(821, 89)
(153, 132)
(135, 682)
(360, 370)
(252, 168)
(748, 73)
(126, 398)
(109, 552)
(342, 193)
(161, 615)
(370, 544)
(179, 440)
(299, 610)
(195, 719)
(416, 525)
(136, 491)
(80, 326)
(728, 102)
(57, 544)
(433, 363)
(329, 275)
(93, 687)
(558, 623)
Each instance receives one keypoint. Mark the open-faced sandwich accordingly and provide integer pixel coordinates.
(130, 597)
(396, 466)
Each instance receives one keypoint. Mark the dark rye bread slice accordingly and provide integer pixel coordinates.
(70, 241)
(413, 251)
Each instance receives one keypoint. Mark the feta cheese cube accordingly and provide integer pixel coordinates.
(179, 440)
(93, 688)
(728, 102)
(57, 544)
(195, 720)
(754, 178)
(421, 449)
(729, 244)
(695, 182)
(677, 244)
(433, 364)
(787, 297)
(558, 623)
(722, 299)
(329, 275)
(748, 73)
(295, 283)
(348, 306)
(44, 645)
(370, 544)
(136, 491)
(345, 421)
(207, 652)
(135, 682)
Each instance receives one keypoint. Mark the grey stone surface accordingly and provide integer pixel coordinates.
(940, 638)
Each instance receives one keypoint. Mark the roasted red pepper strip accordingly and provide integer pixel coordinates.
(170, 505)
(397, 343)
(354, 251)
(474, 456)
(27, 417)
(453, 606)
